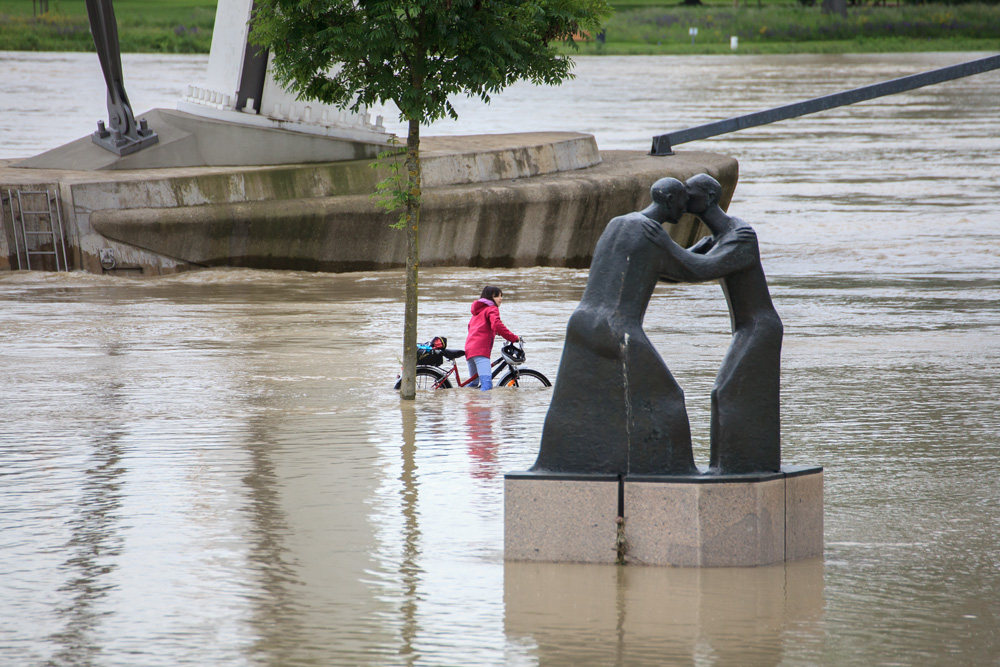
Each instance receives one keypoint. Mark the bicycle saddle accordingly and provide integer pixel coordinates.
(453, 354)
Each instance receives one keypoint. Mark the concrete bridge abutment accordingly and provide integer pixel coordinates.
(532, 199)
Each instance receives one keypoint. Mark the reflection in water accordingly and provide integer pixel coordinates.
(212, 468)
(479, 432)
(597, 615)
(284, 498)
(409, 570)
(274, 619)
(95, 544)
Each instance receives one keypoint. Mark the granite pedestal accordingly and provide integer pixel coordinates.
(702, 520)
(569, 519)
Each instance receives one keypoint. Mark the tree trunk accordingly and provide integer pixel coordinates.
(407, 386)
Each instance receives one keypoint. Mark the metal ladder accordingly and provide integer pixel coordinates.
(46, 225)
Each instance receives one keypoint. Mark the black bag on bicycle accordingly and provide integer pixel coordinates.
(430, 354)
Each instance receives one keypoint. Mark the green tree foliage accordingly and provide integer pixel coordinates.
(415, 54)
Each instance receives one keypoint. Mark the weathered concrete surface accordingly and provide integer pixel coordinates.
(739, 524)
(489, 200)
(565, 521)
(551, 220)
(725, 521)
(496, 157)
(803, 513)
(186, 140)
(698, 520)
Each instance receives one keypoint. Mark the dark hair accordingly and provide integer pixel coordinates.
(490, 292)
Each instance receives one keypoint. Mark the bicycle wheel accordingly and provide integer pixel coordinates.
(427, 377)
(525, 378)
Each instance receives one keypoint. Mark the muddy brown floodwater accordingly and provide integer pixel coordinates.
(213, 469)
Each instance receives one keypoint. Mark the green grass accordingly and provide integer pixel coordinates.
(778, 48)
(628, 5)
(790, 27)
(638, 27)
(151, 26)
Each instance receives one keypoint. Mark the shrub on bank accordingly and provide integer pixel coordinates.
(46, 33)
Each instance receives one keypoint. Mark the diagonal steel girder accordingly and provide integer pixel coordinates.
(663, 143)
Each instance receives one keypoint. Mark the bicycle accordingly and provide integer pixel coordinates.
(511, 357)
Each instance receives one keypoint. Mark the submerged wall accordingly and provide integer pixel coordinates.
(491, 200)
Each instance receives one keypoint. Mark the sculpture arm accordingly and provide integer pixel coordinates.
(703, 245)
(684, 266)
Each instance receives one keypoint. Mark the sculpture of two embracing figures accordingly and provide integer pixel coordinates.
(616, 409)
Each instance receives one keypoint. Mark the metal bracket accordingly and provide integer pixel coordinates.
(123, 144)
(121, 136)
(108, 259)
(661, 146)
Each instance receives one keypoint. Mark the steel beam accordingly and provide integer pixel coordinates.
(663, 143)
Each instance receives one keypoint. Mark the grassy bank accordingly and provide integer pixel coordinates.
(794, 28)
(638, 27)
(144, 26)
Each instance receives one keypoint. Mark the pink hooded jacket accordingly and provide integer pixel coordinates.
(483, 328)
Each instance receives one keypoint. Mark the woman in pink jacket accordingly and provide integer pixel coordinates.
(483, 328)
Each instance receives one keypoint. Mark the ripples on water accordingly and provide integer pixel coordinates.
(211, 468)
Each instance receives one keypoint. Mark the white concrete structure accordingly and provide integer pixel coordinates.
(240, 88)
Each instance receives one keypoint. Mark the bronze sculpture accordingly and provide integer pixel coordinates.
(616, 409)
(745, 423)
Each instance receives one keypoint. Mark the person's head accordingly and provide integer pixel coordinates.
(492, 293)
(669, 201)
(704, 192)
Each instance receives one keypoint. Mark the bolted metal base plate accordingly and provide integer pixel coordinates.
(120, 144)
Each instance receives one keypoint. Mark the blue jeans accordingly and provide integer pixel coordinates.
(481, 365)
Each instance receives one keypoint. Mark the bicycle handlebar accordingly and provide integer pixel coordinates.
(458, 354)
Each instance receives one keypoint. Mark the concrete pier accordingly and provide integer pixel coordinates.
(700, 520)
(532, 199)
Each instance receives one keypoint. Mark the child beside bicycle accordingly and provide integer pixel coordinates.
(484, 326)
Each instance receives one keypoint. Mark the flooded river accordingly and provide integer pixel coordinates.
(212, 468)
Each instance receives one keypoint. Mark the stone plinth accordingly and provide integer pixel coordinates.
(803, 512)
(683, 521)
(566, 520)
